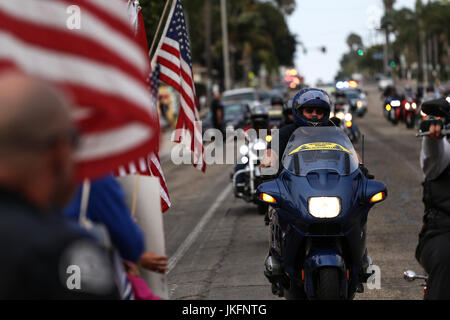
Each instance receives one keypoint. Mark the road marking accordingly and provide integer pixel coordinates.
(190, 239)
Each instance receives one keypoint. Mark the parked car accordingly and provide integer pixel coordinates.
(236, 116)
(242, 94)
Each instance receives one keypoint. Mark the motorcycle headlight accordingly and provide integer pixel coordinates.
(331, 114)
(259, 146)
(423, 114)
(340, 115)
(414, 105)
(324, 207)
(244, 160)
(407, 106)
(395, 103)
(359, 104)
(348, 117)
(243, 149)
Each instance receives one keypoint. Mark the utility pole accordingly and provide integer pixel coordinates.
(226, 61)
(207, 15)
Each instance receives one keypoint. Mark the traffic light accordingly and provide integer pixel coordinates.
(393, 64)
(360, 52)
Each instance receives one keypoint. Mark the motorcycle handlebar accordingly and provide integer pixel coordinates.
(427, 133)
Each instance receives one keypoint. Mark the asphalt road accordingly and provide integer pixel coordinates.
(217, 244)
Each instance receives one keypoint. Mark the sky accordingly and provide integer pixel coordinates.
(328, 23)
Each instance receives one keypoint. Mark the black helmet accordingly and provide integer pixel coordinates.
(276, 100)
(259, 117)
(314, 98)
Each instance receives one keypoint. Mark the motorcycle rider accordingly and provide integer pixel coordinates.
(310, 107)
(434, 239)
(259, 120)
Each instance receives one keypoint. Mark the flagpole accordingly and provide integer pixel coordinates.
(158, 28)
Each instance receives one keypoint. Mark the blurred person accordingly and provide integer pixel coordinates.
(217, 112)
(43, 256)
(430, 94)
(107, 206)
(432, 251)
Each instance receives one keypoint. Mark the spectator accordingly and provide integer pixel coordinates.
(40, 251)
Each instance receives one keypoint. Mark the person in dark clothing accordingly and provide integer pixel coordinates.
(217, 112)
(310, 107)
(43, 256)
(432, 251)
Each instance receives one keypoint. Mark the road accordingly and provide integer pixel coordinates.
(217, 244)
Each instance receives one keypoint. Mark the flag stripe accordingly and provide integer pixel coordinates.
(95, 146)
(49, 18)
(73, 69)
(102, 67)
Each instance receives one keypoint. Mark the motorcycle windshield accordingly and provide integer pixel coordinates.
(314, 148)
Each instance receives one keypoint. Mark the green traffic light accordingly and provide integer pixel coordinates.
(360, 52)
(393, 64)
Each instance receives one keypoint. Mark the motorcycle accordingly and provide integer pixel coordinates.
(409, 112)
(346, 121)
(318, 209)
(392, 109)
(247, 175)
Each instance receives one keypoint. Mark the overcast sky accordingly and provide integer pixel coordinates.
(328, 23)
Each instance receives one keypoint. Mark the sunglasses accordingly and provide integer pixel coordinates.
(310, 110)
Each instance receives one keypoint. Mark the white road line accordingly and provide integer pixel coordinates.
(184, 247)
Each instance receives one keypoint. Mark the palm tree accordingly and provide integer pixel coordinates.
(386, 23)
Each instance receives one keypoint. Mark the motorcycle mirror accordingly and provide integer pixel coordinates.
(268, 192)
(438, 108)
(376, 191)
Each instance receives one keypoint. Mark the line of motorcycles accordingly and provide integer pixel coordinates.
(316, 207)
(403, 108)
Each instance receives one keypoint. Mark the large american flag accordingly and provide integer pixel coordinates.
(149, 165)
(174, 56)
(88, 49)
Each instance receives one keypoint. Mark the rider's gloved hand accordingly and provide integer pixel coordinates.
(433, 126)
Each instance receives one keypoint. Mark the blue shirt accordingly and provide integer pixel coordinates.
(107, 205)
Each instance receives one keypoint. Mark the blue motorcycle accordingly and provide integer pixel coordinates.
(318, 213)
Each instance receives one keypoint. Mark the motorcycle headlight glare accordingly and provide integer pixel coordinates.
(348, 117)
(414, 105)
(395, 103)
(259, 146)
(324, 207)
(359, 104)
(340, 115)
(244, 159)
(243, 149)
(407, 106)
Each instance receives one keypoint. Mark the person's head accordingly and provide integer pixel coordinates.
(259, 118)
(37, 141)
(311, 107)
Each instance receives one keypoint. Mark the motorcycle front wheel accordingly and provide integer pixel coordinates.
(328, 284)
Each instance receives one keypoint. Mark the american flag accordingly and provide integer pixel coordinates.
(88, 49)
(149, 165)
(174, 56)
